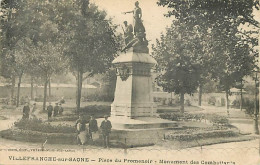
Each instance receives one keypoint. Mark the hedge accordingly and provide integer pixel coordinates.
(38, 125)
(35, 136)
(96, 110)
(200, 135)
(213, 118)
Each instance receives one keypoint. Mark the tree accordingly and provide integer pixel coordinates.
(10, 35)
(179, 60)
(91, 44)
(34, 38)
(221, 20)
(21, 65)
(236, 56)
(48, 58)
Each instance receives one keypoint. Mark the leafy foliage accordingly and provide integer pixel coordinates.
(38, 125)
(212, 118)
(207, 36)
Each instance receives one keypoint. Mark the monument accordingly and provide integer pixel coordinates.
(133, 112)
(133, 97)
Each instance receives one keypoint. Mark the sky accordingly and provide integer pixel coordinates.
(153, 15)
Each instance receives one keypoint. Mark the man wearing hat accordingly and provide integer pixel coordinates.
(93, 127)
(106, 129)
(49, 109)
(60, 109)
(56, 110)
(26, 111)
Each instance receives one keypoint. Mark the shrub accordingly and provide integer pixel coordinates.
(218, 120)
(187, 102)
(236, 104)
(98, 97)
(48, 99)
(215, 119)
(170, 102)
(171, 116)
(69, 117)
(212, 100)
(248, 104)
(38, 125)
(200, 135)
(96, 110)
(39, 137)
(163, 101)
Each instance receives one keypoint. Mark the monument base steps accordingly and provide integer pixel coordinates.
(140, 131)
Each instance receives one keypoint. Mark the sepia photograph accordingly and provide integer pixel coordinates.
(118, 82)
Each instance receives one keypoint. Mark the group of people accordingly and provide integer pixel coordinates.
(84, 133)
(54, 111)
(26, 111)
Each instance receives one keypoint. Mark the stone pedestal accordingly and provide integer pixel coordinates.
(133, 94)
(133, 112)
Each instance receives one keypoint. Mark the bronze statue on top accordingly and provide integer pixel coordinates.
(128, 32)
(139, 42)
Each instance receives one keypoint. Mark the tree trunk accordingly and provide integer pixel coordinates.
(77, 90)
(12, 88)
(36, 90)
(171, 99)
(45, 93)
(200, 94)
(182, 102)
(256, 110)
(32, 96)
(49, 87)
(77, 93)
(241, 95)
(18, 90)
(79, 87)
(241, 99)
(227, 102)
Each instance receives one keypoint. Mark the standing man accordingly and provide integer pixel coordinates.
(49, 109)
(106, 129)
(56, 110)
(61, 109)
(92, 126)
(26, 111)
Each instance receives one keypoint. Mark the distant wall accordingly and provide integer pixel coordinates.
(220, 97)
(66, 92)
(4, 91)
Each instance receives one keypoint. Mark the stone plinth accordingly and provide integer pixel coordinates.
(133, 94)
(133, 113)
(139, 131)
(141, 123)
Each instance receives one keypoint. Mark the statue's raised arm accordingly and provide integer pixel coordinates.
(139, 42)
(128, 12)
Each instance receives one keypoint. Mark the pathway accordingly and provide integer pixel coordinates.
(238, 118)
